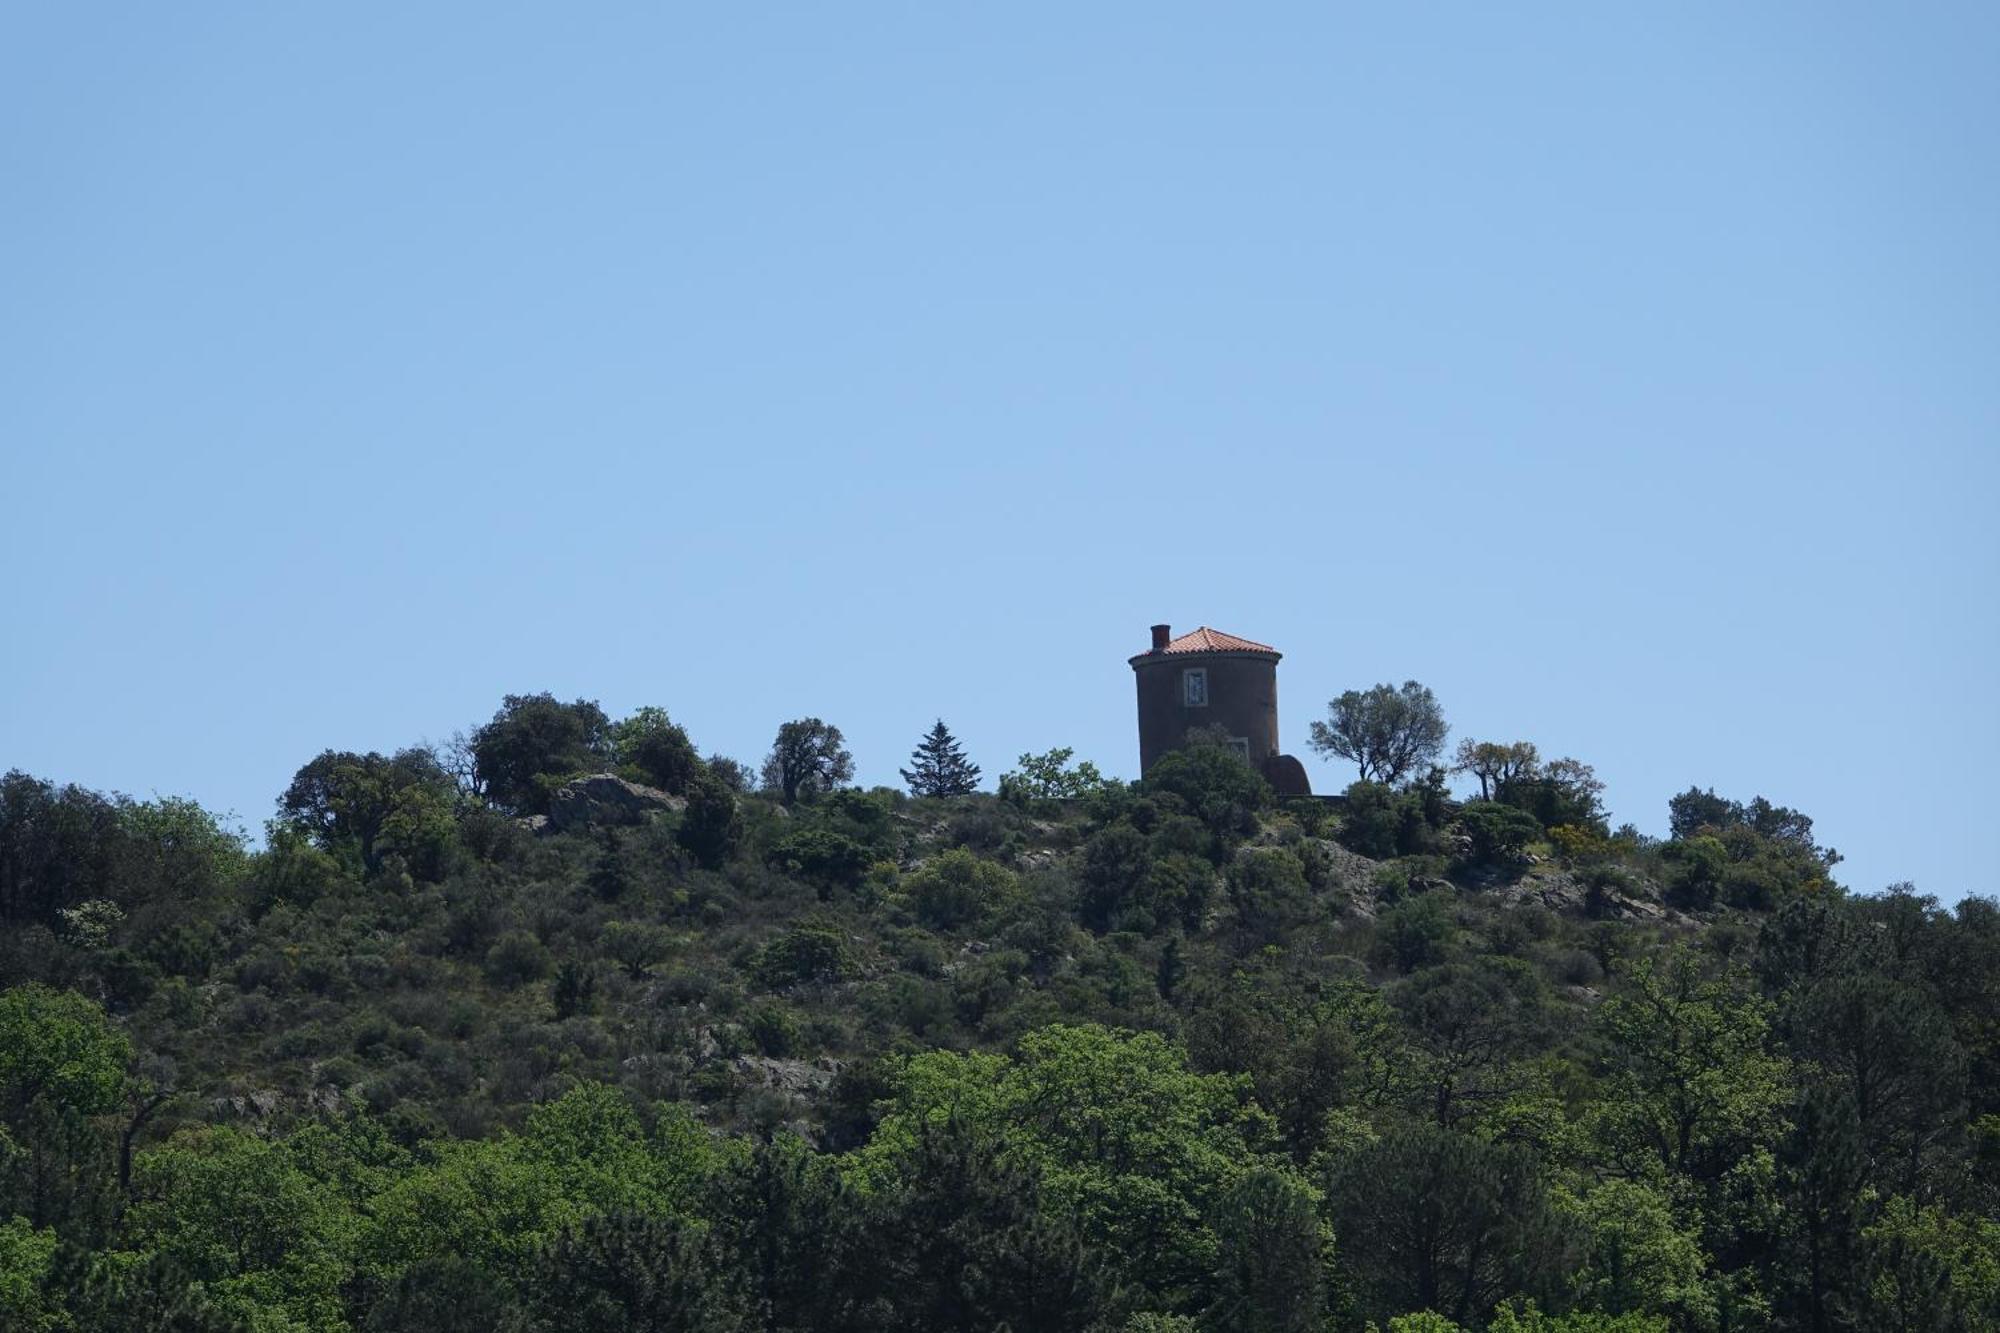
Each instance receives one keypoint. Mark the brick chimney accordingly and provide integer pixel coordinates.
(1161, 633)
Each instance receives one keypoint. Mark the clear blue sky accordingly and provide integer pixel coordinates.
(1630, 374)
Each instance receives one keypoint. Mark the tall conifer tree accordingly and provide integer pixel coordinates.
(939, 767)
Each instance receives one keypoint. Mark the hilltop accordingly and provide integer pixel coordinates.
(481, 1040)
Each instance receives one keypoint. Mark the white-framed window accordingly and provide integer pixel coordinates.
(1241, 744)
(1194, 687)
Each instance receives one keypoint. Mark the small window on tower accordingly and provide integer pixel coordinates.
(1194, 687)
(1241, 745)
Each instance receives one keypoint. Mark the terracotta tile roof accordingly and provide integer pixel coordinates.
(1206, 640)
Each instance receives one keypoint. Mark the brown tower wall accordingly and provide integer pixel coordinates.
(1242, 700)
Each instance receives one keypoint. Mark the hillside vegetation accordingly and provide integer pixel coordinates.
(467, 1044)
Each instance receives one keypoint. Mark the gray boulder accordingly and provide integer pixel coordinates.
(599, 799)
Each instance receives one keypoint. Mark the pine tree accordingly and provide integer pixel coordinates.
(939, 767)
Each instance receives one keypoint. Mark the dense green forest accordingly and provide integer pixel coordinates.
(469, 1042)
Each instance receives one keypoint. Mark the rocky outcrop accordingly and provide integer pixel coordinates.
(599, 799)
(796, 1077)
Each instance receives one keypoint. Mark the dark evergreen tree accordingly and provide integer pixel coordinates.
(938, 767)
(630, 1273)
(963, 1244)
(1270, 1280)
(711, 826)
(1430, 1219)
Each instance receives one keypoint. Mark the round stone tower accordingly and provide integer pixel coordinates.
(1207, 681)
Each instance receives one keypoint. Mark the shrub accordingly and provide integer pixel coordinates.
(516, 959)
(1498, 832)
(822, 858)
(772, 1028)
(956, 888)
(1417, 931)
(810, 952)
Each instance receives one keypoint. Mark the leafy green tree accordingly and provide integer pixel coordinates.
(1560, 792)
(62, 1066)
(1417, 932)
(635, 945)
(1525, 1317)
(1471, 1025)
(1926, 1268)
(236, 1213)
(792, 1231)
(656, 749)
(1040, 778)
(574, 990)
(938, 766)
(498, 1203)
(1130, 1146)
(1117, 880)
(27, 1256)
(516, 959)
(807, 759)
(1496, 763)
(822, 856)
(375, 806)
(533, 740)
(1388, 732)
(1691, 1086)
(444, 1294)
(1639, 1258)
(1819, 1170)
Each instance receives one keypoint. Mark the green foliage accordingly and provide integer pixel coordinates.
(821, 856)
(956, 889)
(711, 827)
(238, 1214)
(1038, 779)
(1379, 821)
(1692, 1088)
(62, 1063)
(1638, 1257)
(26, 1257)
(656, 750)
(1133, 1148)
(516, 959)
(1523, 1317)
(1417, 932)
(1432, 1220)
(1154, 1058)
(635, 945)
(1388, 733)
(1498, 832)
(810, 953)
(375, 807)
(808, 758)
(1212, 784)
(535, 737)
(1271, 1275)
(938, 766)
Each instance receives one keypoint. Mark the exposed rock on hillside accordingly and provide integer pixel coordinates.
(598, 799)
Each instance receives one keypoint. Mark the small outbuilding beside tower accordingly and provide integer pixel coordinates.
(1213, 682)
